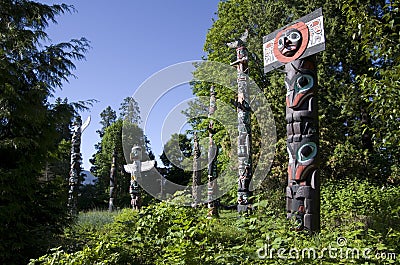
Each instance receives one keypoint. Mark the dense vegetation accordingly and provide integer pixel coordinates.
(34, 133)
(359, 97)
(356, 217)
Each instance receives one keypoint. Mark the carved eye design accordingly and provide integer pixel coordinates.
(307, 152)
(294, 36)
(304, 83)
(281, 43)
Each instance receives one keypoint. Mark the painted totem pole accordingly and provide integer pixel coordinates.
(243, 109)
(212, 160)
(295, 46)
(135, 169)
(196, 172)
(113, 182)
(76, 161)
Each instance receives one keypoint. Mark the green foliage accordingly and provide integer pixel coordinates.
(108, 116)
(377, 38)
(111, 141)
(356, 214)
(94, 219)
(362, 200)
(117, 135)
(359, 69)
(86, 229)
(177, 158)
(34, 134)
(129, 111)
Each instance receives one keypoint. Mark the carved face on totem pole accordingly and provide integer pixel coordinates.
(241, 52)
(289, 42)
(136, 153)
(300, 84)
(296, 41)
(241, 55)
(294, 46)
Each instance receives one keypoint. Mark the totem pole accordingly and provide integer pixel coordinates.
(135, 169)
(212, 160)
(196, 172)
(242, 105)
(162, 172)
(295, 46)
(113, 182)
(76, 161)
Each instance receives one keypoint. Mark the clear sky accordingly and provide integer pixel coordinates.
(131, 40)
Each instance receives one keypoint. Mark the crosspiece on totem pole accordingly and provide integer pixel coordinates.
(309, 28)
(295, 46)
(76, 161)
(135, 169)
(242, 105)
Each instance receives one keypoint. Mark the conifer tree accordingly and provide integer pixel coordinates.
(32, 130)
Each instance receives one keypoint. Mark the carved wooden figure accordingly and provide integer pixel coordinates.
(113, 182)
(76, 161)
(295, 46)
(196, 178)
(135, 169)
(212, 186)
(243, 110)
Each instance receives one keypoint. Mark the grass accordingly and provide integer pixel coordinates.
(95, 219)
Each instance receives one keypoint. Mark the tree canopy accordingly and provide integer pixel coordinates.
(358, 74)
(34, 131)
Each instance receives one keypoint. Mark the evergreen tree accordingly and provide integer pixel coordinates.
(129, 110)
(108, 116)
(32, 130)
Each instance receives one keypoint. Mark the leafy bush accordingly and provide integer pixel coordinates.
(356, 216)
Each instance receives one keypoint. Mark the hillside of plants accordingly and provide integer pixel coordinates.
(359, 167)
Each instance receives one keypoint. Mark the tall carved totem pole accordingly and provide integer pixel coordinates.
(196, 178)
(113, 182)
(76, 161)
(212, 160)
(243, 110)
(295, 46)
(135, 170)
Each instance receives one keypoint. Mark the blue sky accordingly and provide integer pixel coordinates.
(131, 40)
